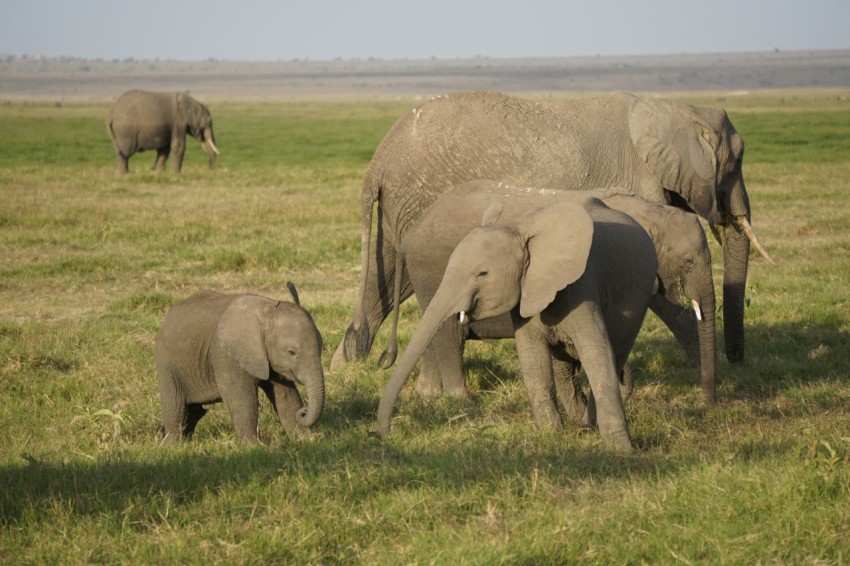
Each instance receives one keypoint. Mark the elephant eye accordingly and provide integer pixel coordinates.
(483, 272)
(292, 352)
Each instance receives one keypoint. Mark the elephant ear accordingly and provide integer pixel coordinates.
(240, 334)
(191, 110)
(558, 240)
(492, 214)
(680, 147)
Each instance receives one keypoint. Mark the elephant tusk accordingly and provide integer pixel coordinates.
(697, 310)
(748, 230)
(462, 318)
(212, 146)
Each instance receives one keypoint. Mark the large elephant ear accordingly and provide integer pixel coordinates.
(240, 334)
(679, 146)
(191, 110)
(558, 240)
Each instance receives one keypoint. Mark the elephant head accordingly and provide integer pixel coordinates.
(198, 124)
(696, 155)
(494, 269)
(685, 279)
(281, 338)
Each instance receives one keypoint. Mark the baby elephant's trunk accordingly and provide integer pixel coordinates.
(309, 414)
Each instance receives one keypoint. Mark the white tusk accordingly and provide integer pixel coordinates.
(212, 146)
(748, 230)
(697, 310)
(462, 317)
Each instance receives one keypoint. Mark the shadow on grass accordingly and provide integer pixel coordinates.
(146, 477)
(778, 357)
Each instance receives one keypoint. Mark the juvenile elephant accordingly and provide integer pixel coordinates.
(221, 347)
(141, 120)
(684, 273)
(576, 279)
(665, 151)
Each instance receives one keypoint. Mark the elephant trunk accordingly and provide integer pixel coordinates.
(308, 415)
(435, 315)
(736, 252)
(704, 307)
(736, 256)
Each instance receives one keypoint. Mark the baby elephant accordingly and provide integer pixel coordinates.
(217, 347)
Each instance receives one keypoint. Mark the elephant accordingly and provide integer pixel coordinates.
(141, 120)
(576, 278)
(662, 150)
(684, 274)
(215, 347)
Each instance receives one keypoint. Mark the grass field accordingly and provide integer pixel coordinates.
(92, 261)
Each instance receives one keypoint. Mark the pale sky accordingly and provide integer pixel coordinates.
(420, 29)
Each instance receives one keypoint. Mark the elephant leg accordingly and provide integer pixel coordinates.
(286, 402)
(593, 346)
(627, 382)
(161, 157)
(123, 162)
(681, 324)
(240, 396)
(570, 392)
(194, 413)
(535, 359)
(429, 383)
(446, 349)
(178, 148)
(173, 406)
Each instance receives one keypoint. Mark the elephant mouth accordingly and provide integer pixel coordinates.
(464, 317)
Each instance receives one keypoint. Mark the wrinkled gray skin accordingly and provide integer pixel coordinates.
(576, 279)
(221, 347)
(684, 275)
(141, 120)
(665, 151)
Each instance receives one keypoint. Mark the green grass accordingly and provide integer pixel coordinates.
(91, 262)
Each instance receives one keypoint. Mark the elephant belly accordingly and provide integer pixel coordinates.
(153, 138)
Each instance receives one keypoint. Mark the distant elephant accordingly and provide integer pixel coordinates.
(576, 279)
(141, 120)
(665, 151)
(221, 347)
(684, 273)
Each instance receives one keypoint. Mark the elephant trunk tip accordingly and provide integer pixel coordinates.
(301, 416)
(304, 418)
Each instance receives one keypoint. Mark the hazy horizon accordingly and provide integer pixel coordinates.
(326, 30)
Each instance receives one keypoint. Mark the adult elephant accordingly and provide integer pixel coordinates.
(140, 120)
(665, 151)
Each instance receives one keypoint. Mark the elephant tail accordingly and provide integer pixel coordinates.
(389, 355)
(356, 340)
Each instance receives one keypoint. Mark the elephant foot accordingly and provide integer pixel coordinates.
(458, 392)
(427, 388)
(619, 442)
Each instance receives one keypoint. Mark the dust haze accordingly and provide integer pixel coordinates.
(75, 79)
